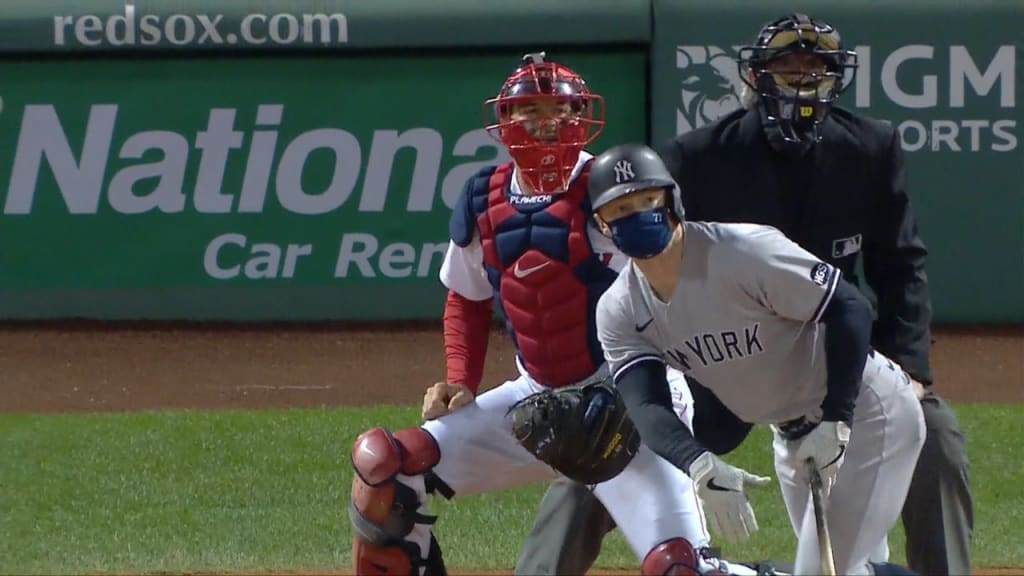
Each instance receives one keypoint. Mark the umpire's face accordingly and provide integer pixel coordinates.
(800, 74)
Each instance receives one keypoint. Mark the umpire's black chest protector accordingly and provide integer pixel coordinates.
(824, 199)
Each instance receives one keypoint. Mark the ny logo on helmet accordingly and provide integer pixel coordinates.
(710, 85)
(623, 171)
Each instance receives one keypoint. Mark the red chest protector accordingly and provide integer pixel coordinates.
(546, 276)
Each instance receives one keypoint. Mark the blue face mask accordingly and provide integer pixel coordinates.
(642, 234)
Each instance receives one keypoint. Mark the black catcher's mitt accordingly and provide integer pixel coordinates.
(582, 432)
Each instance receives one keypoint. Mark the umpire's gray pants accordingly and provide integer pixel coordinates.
(938, 515)
(566, 536)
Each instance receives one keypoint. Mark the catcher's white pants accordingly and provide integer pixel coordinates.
(886, 437)
(651, 500)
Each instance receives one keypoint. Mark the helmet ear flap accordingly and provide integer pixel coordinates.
(675, 199)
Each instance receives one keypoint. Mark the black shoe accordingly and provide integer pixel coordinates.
(890, 569)
(771, 567)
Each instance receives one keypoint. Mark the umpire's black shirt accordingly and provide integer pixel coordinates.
(845, 197)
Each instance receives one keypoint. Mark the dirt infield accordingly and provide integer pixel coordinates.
(92, 367)
(87, 367)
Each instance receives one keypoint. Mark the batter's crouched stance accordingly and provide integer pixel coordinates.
(777, 336)
(522, 232)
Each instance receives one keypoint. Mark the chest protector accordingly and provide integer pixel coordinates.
(545, 274)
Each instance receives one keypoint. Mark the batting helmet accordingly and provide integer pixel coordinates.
(629, 168)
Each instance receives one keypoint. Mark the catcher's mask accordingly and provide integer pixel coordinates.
(545, 115)
(798, 68)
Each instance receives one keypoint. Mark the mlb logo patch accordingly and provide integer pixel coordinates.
(846, 246)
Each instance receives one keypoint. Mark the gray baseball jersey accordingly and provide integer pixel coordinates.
(743, 320)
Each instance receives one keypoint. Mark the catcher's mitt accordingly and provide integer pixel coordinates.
(582, 432)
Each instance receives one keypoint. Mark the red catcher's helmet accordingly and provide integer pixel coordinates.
(545, 115)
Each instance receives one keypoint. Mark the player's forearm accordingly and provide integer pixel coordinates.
(644, 389)
(847, 341)
(716, 427)
(466, 331)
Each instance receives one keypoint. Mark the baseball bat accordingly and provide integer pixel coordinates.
(828, 563)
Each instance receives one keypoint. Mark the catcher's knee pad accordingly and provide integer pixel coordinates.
(675, 557)
(384, 509)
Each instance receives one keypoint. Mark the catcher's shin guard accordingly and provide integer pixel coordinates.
(675, 557)
(388, 491)
(370, 560)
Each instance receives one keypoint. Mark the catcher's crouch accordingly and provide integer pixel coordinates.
(522, 231)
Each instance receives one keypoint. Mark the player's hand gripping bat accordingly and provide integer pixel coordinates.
(828, 563)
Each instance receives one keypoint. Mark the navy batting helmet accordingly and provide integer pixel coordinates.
(629, 168)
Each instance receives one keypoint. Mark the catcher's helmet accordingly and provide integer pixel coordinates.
(629, 168)
(545, 142)
(796, 98)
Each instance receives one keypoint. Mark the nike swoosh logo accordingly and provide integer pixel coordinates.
(842, 450)
(713, 486)
(524, 272)
(642, 327)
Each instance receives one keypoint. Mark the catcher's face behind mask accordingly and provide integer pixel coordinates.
(544, 115)
(798, 68)
(582, 432)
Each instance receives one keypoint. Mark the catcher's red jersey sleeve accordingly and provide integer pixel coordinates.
(466, 331)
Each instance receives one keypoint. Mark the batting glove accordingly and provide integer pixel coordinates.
(720, 489)
(824, 442)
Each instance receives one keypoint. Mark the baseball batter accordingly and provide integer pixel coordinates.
(776, 335)
(521, 233)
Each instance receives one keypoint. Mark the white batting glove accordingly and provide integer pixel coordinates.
(825, 443)
(720, 489)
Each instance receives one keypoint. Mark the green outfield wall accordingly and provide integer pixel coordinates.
(299, 160)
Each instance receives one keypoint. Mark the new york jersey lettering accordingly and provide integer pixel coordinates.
(679, 357)
(716, 347)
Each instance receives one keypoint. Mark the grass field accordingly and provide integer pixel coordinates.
(189, 491)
